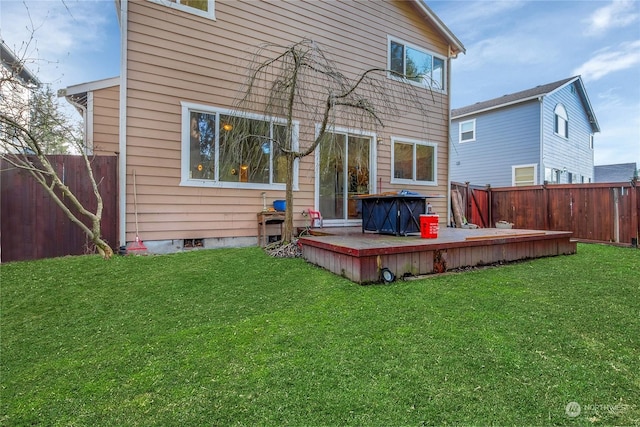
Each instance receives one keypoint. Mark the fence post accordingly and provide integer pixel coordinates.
(616, 215)
(489, 206)
(635, 211)
(547, 214)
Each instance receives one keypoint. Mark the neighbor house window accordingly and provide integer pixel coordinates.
(416, 64)
(222, 149)
(524, 175)
(561, 124)
(197, 7)
(468, 131)
(414, 162)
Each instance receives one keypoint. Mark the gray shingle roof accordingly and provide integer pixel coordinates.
(621, 172)
(513, 98)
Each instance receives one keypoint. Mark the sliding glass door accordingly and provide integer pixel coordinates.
(344, 171)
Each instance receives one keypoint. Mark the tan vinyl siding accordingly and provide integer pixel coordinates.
(105, 120)
(175, 56)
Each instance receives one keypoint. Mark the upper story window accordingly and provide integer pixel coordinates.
(413, 162)
(418, 65)
(468, 131)
(197, 7)
(561, 122)
(223, 150)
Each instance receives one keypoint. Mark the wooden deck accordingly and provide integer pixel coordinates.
(360, 257)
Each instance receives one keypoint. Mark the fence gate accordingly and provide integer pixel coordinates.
(475, 202)
(33, 226)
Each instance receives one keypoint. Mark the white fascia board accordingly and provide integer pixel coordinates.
(90, 86)
(495, 107)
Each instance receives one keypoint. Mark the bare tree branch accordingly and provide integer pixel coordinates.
(299, 83)
(32, 126)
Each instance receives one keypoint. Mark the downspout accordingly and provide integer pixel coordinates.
(122, 137)
(449, 142)
(541, 169)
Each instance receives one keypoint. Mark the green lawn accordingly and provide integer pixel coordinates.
(234, 337)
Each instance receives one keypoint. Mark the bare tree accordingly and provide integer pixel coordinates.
(32, 126)
(299, 83)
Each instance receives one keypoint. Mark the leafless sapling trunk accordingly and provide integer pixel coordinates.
(301, 85)
(32, 126)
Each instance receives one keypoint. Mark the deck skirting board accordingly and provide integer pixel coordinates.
(359, 258)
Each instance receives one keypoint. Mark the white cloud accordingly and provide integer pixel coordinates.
(509, 50)
(473, 13)
(607, 61)
(57, 26)
(618, 14)
(470, 18)
(47, 33)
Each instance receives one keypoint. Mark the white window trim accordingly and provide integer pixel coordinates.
(210, 13)
(460, 140)
(565, 133)
(185, 154)
(535, 173)
(413, 181)
(445, 76)
(373, 159)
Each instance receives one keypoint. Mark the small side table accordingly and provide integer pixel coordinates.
(268, 217)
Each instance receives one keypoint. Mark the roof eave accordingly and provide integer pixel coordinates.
(13, 63)
(496, 107)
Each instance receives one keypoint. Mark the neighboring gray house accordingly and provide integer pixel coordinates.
(526, 138)
(622, 172)
(14, 98)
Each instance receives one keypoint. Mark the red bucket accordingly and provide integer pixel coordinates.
(429, 226)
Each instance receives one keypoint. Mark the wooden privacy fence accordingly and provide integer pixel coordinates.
(607, 212)
(34, 227)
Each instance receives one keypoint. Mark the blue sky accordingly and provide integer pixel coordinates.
(511, 46)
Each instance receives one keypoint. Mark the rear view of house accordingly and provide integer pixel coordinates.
(183, 66)
(543, 134)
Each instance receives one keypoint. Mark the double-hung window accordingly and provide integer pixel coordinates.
(416, 64)
(222, 149)
(468, 131)
(414, 162)
(197, 7)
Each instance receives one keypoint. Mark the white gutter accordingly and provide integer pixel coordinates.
(89, 124)
(122, 137)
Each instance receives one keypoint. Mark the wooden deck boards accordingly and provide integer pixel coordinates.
(359, 256)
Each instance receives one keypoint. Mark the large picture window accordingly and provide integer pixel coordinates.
(414, 162)
(224, 150)
(418, 65)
